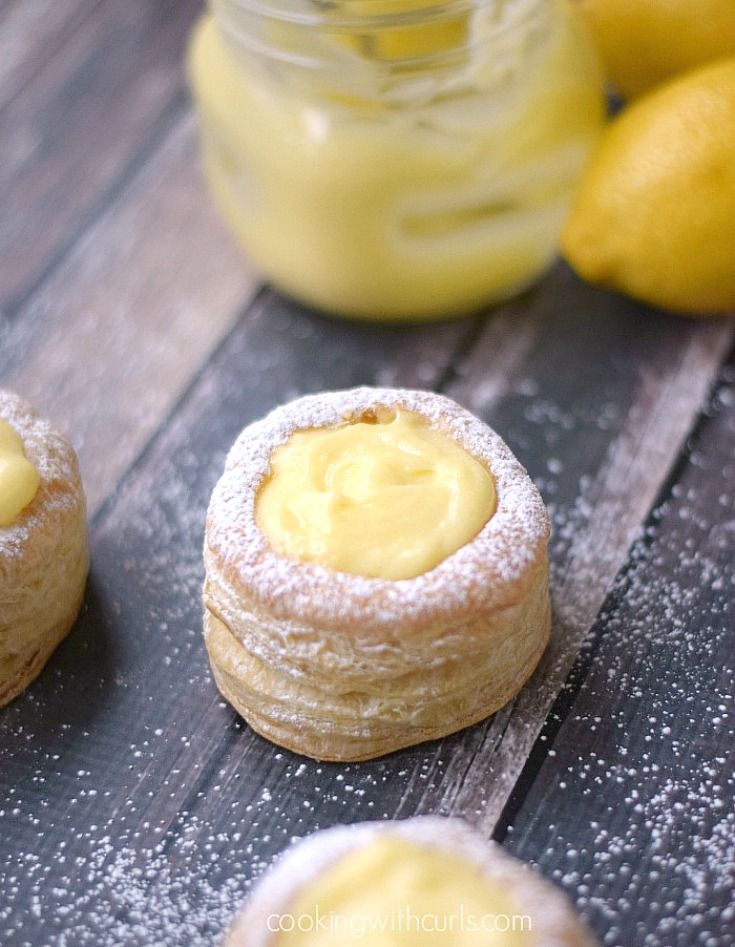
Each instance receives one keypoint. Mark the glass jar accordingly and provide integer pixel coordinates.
(395, 159)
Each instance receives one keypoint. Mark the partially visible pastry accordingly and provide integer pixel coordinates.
(43, 543)
(376, 573)
(419, 882)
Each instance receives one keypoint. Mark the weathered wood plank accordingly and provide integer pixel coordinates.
(31, 33)
(78, 126)
(109, 342)
(188, 803)
(633, 809)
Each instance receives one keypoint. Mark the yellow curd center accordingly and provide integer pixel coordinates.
(396, 893)
(386, 496)
(19, 479)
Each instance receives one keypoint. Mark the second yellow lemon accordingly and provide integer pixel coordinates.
(654, 215)
(644, 42)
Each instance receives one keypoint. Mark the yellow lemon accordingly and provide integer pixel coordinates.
(644, 42)
(654, 215)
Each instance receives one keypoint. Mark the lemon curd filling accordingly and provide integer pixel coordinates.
(396, 893)
(19, 479)
(385, 496)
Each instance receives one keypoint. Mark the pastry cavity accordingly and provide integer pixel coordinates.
(43, 550)
(19, 479)
(344, 667)
(382, 495)
(416, 882)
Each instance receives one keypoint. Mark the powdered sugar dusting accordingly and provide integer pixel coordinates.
(135, 896)
(633, 809)
(503, 550)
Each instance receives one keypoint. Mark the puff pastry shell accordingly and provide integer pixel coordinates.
(43, 554)
(341, 667)
(554, 922)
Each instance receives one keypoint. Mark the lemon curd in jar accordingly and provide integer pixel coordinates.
(395, 159)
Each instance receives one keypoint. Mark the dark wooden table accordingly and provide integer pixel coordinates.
(135, 806)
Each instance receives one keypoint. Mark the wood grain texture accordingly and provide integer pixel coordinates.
(632, 809)
(77, 126)
(164, 802)
(108, 343)
(31, 33)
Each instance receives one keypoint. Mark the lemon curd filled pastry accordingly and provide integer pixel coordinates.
(419, 882)
(376, 573)
(43, 543)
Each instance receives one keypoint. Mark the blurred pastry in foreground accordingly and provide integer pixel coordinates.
(376, 573)
(414, 883)
(43, 543)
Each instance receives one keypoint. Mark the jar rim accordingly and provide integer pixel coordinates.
(286, 34)
(433, 10)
